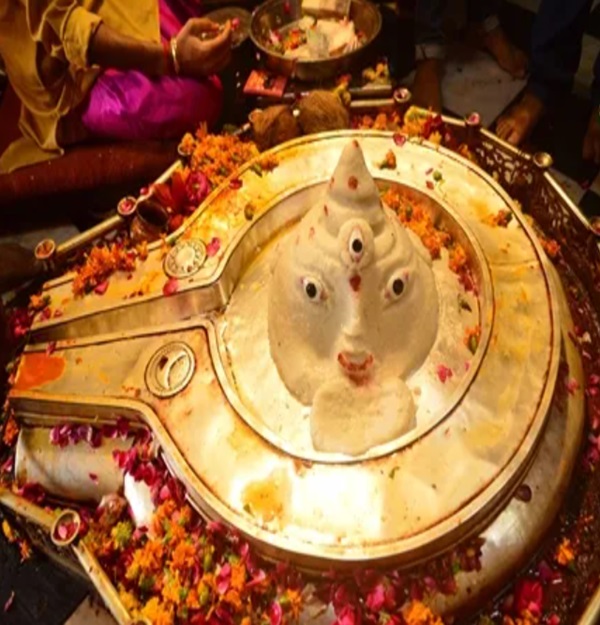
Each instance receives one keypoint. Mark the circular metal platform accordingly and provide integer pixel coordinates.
(239, 441)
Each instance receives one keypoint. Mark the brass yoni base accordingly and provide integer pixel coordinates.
(197, 369)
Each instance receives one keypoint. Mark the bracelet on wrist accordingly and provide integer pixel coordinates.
(168, 61)
(174, 58)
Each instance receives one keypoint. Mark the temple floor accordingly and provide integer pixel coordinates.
(46, 595)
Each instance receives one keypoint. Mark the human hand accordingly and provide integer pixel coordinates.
(201, 49)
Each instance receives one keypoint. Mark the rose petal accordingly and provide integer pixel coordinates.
(444, 373)
(572, 386)
(213, 247)
(399, 139)
(101, 288)
(171, 287)
(275, 613)
(9, 601)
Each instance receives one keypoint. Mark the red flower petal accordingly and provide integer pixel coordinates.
(572, 386)
(399, 139)
(101, 288)
(171, 287)
(275, 613)
(235, 184)
(444, 373)
(9, 601)
(213, 247)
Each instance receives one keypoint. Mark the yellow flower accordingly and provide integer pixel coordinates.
(184, 556)
(238, 577)
(172, 590)
(129, 600)
(157, 613)
(8, 531)
(232, 597)
(565, 553)
(417, 613)
(295, 601)
(148, 559)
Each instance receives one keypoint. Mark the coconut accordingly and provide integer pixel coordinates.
(273, 125)
(321, 111)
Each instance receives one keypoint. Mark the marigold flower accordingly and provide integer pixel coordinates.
(417, 613)
(157, 613)
(565, 554)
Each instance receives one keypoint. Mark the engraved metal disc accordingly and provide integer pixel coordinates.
(170, 369)
(185, 259)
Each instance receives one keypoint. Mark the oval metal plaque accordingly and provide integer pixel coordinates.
(170, 369)
(185, 259)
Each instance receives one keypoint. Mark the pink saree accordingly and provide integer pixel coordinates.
(131, 106)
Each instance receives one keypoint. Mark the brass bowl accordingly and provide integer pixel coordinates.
(276, 14)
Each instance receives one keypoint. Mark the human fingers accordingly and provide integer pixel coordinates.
(198, 26)
(218, 59)
(221, 41)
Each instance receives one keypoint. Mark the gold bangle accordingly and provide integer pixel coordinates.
(176, 65)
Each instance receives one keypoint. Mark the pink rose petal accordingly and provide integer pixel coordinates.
(399, 139)
(444, 373)
(171, 287)
(572, 386)
(9, 601)
(101, 288)
(275, 613)
(213, 247)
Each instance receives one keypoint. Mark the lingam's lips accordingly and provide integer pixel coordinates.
(353, 366)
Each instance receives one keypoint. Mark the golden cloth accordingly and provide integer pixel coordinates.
(44, 44)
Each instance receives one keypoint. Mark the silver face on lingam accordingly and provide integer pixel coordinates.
(353, 310)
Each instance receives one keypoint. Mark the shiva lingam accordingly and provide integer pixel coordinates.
(301, 360)
(353, 309)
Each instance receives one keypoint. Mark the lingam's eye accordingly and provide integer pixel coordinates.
(396, 286)
(313, 289)
(356, 245)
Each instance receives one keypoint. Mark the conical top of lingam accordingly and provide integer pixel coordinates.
(353, 310)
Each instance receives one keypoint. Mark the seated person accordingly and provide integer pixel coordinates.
(556, 43)
(113, 69)
(430, 46)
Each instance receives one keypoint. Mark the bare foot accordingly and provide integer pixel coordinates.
(507, 55)
(427, 91)
(591, 141)
(519, 122)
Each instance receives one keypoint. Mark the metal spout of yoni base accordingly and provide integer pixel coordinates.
(353, 310)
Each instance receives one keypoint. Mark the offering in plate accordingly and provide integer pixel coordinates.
(312, 39)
